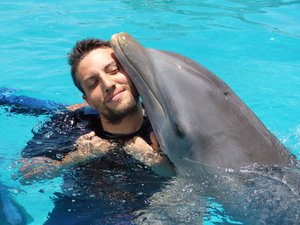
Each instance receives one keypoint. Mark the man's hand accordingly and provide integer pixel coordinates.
(149, 155)
(142, 151)
(88, 146)
(37, 168)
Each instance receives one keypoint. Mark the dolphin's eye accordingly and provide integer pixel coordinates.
(178, 130)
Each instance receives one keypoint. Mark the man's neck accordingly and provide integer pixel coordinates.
(129, 124)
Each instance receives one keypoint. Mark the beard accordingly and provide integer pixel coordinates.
(115, 116)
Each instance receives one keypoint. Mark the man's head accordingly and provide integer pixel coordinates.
(97, 73)
(79, 51)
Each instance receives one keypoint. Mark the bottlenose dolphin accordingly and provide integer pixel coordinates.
(212, 137)
(196, 117)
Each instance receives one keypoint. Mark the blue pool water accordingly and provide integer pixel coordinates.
(254, 46)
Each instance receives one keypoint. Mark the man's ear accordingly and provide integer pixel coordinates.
(88, 101)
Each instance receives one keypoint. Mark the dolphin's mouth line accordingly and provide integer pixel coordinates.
(142, 78)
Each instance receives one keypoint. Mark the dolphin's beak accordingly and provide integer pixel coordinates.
(133, 57)
(137, 64)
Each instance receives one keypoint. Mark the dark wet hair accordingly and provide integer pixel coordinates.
(79, 51)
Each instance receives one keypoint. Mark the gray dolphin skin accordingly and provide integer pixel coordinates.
(196, 117)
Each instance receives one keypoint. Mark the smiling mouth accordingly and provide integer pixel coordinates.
(115, 97)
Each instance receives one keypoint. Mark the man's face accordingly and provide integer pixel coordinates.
(107, 87)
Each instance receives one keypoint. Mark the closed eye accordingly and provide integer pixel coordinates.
(92, 82)
(113, 70)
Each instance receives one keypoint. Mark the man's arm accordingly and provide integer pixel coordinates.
(88, 146)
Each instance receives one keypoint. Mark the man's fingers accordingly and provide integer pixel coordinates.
(31, 169)
(138, 141)
(154, 142)
(33, 173)
(26, 164)
(88, 136)
(141, 143)
(76, 106)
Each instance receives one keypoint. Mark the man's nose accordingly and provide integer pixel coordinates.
(108, 85)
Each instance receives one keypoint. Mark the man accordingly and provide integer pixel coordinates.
(106, 175)
(107, 88)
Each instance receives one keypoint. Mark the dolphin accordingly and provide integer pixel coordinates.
(197, 118)
(214, 140)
